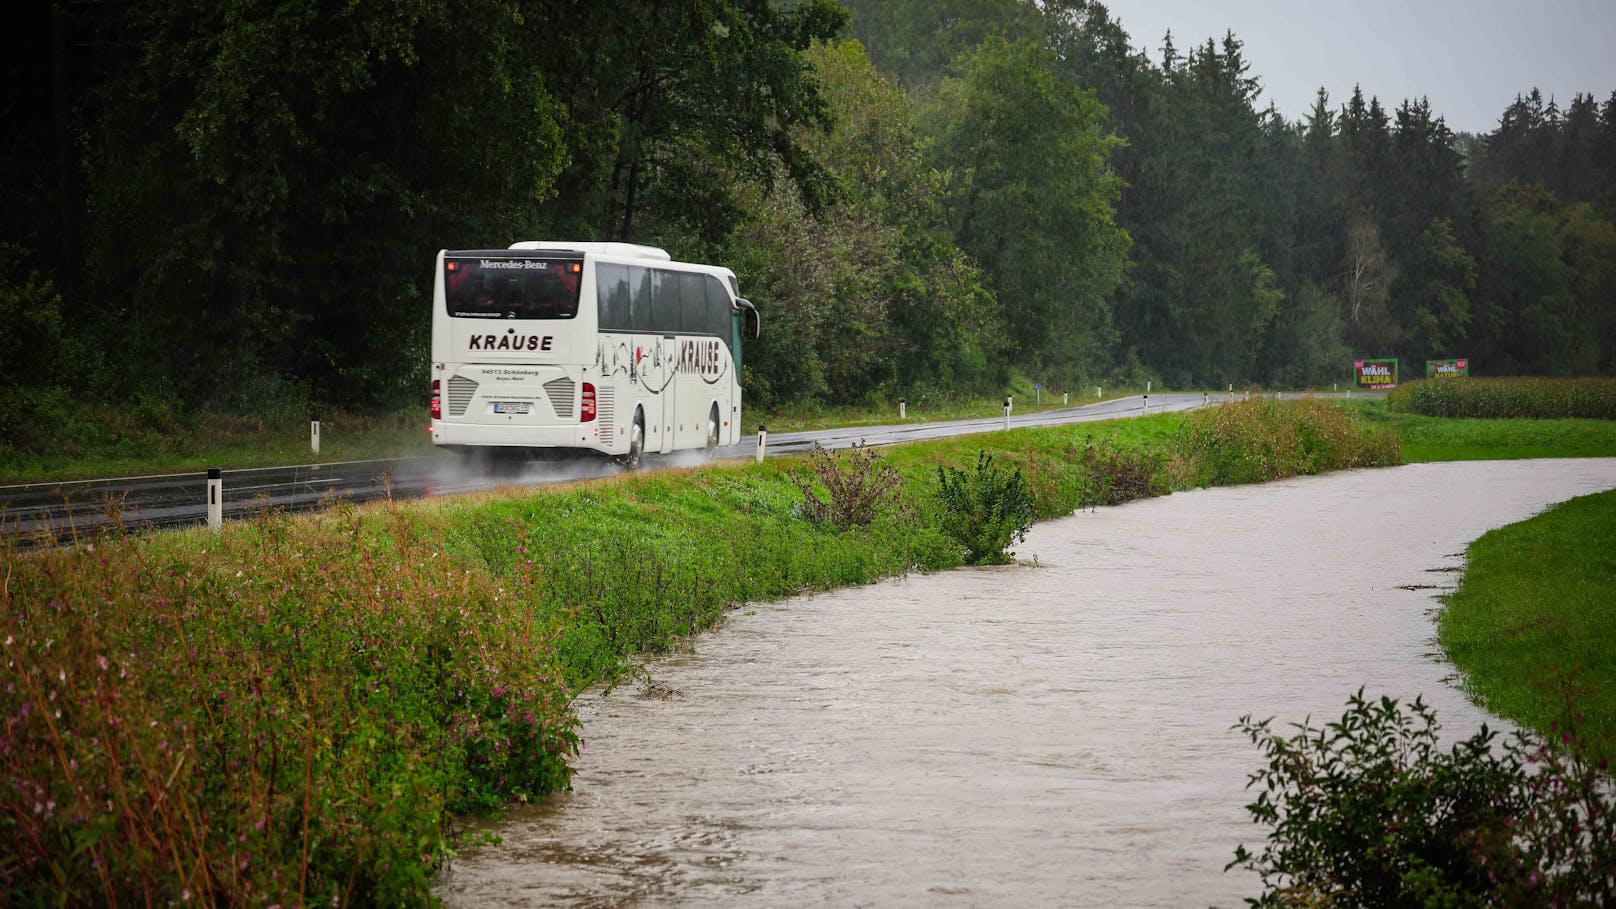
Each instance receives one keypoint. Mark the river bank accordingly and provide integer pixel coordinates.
(315, 699)
(1532, 625)
(1057, 734)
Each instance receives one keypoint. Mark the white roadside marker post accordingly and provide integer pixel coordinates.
(903, 409)
(763, 441)
(1007, 413)
(1066, 398)
(314, 434)
(215, 499)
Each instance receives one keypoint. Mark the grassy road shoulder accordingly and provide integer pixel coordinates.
(93, 442)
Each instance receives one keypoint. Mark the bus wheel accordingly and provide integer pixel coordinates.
(710, 448)
(636, 443)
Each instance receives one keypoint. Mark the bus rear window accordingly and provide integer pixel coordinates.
(511, 288)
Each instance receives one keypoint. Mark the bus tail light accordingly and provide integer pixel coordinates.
(437, 399)
(586, 409)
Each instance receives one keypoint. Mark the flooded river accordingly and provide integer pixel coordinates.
(1049, 735)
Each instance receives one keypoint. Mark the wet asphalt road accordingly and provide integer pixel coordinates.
(81, 509)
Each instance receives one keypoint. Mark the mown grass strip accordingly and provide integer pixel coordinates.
(1533, 623)
(297, 708)
(1475, 439)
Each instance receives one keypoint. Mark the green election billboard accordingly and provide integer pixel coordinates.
(1447, 369)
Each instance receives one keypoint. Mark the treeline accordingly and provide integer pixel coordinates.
(234, 204)
(1272, 250)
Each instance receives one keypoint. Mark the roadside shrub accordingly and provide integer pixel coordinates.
(859, 484)
(1371, 811)
(985, 511)
(1259, 440)
(1589, 398)
(1115, 474)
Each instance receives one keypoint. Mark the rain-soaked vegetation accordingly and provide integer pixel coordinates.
(299, 707)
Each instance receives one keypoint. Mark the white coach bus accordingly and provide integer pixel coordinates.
(605, 347)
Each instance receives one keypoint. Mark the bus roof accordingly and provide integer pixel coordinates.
(625, 250)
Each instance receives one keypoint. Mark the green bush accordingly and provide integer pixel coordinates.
(858, 484)
(1115, 474)
(985, 511)
(1370, 811)
(1260, 440)
(1591, 398)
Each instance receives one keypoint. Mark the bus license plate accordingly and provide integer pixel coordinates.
(511, 407)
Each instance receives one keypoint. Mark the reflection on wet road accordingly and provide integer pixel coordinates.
(1049, 735)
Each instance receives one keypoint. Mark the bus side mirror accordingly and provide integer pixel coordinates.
(751, 322)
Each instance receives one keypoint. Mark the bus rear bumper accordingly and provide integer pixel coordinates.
(580, 436)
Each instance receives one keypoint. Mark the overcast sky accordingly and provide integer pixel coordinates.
(1470, 57)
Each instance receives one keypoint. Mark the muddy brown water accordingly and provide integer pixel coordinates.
(1049, 735)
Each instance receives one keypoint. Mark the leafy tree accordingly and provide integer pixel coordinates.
(871, 297)
(1304, 346)
(676, 104)
(1030, 198)
(914, 41)
(279, 164)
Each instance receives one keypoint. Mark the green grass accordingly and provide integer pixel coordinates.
(103, 442)
(1533, 623)
(1476, 439)
(297, 708)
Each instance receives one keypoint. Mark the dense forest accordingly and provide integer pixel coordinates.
(234, 204)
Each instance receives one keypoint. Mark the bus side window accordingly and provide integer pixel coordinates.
(693, 304)
(639, 278)
(665, 318)
(612, 288)
(719, 319)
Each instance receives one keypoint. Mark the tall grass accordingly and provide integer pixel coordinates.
(1261, 440)
(295, 710)
(287, 712)
(1591, 398)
